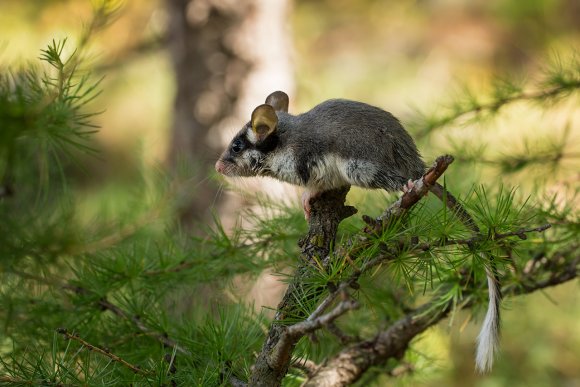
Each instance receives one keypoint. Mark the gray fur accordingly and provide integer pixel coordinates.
(337, 143)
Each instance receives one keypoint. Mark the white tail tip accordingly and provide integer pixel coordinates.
(488, 339)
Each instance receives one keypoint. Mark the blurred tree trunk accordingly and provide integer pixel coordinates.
(225, 53)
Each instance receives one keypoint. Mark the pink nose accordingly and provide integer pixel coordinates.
(220, 167)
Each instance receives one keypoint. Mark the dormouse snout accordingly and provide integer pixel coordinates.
(220, 167)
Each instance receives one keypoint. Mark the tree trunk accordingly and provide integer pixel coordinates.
(225, 53)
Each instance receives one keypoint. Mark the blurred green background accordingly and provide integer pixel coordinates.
(403, 56)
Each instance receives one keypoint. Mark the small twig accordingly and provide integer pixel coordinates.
(11, 379)
(142, 327)
(184, 265)
(499, 103)
(424, 184)
(420, 188)
(425, 246)
(521, 233)
(455, 206)
(93, 348)
(568, 273)
(301, 328)
(305, 365)
(106, 305)
(294, 332)
(328, 301)
(378, 259)
(342, 337)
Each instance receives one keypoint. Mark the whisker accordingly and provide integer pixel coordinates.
(218, 194)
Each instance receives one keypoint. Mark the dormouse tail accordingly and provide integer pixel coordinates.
(488, 339)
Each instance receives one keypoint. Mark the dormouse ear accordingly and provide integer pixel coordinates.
(264, 121)
(278, 100)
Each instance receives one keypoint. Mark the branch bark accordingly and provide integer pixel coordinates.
(273, 362)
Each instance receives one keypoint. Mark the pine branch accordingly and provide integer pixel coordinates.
(420, 188)
(104, 352)
(327, 212)
(10, 380)
(388, 254)
(305, 365)
(392, 342)
(273, 362)
(291, 335)
(104, 304)
(342, 288)
(505, 94)
(520, 233)
(340, 335)
(351, 363)
(136, 320)
(510, 163)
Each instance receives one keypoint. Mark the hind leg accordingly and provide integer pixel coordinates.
(307, 195)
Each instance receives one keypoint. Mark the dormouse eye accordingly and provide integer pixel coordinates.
(237, 146)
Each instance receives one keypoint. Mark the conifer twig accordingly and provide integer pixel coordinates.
(161, 337)
(342, 337)
(11, 379)
(520, 233)
(107, 305)
(296, 331)
(305, 365)
(327, 301)
(501, 101)
(420, 188)
(104, 352)
(273, 361)
(389, 254)
(347, 366)
(308, 326)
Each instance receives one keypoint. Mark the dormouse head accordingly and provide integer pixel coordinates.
(245, 154)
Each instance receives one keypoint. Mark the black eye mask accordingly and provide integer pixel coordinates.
(269, 144)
